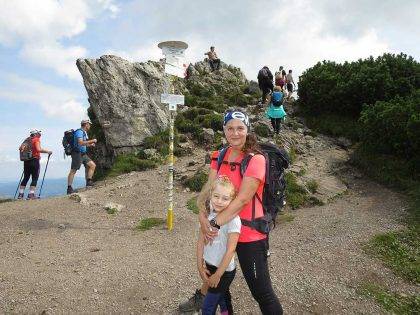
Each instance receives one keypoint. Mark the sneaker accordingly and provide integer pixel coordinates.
(193, 304)
(31, 196)
(70, 190)
(20, 196)
(89, 182)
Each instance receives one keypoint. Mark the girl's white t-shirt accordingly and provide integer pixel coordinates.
(214, 252)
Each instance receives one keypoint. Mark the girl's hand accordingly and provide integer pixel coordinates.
(214, 280)
(204, 274)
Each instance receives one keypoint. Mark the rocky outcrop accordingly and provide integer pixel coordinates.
(125, 102)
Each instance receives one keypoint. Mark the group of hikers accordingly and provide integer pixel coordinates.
(30, 153)
(274, 95)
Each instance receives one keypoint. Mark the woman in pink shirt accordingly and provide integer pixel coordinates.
(252, 245)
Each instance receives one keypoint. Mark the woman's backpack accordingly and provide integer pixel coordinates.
(25, 150)
(276, 161)
(277, 98)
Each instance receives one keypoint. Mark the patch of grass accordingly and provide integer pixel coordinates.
(400, 251)
(284, 217)
(5, 200)
(192, 205)
(312, 186)
(296, 195)
(301, 172)
(147, 223)
(197, 181)
(390, 301)
(111, 210)
(126, 163)
(292, 155)
(262, 130)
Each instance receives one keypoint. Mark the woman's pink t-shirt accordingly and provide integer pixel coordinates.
(255, 169)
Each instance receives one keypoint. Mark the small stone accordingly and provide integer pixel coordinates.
(61, 226)
(95, 290)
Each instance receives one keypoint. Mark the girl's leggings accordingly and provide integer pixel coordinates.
(220, 295)
(30, 168)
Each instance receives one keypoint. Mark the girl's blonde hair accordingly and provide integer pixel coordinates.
(223, 181)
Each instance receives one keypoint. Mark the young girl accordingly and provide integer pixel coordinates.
(215, 261)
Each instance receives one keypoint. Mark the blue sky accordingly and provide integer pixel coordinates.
(40, 86)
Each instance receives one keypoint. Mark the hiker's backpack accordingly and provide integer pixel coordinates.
(263, 75)
(277, 98)
(276, 161)
(68, 142)
(25, 150)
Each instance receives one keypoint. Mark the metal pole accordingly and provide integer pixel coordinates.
(46, 166)
(170, 214)
(20, 180)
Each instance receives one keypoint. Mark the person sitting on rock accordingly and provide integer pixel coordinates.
(213, 59)
(79, 155)
(275, 111)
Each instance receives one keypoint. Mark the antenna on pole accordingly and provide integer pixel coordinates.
(175, 66)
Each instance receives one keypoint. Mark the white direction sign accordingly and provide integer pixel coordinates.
(172, 100)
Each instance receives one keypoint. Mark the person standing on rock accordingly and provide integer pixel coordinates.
(79, 155)
(290, 84)
(31, 166)
(279, 79)
(252, 248)
(265, 82)
(213, 59)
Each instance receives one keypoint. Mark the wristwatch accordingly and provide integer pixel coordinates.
(213, 223)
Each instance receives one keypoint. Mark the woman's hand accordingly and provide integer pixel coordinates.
(214, 280)
(206, 229)
(204, 274)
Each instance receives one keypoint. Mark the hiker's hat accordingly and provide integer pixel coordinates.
(237, 114)
(34, 132)
(85, 121)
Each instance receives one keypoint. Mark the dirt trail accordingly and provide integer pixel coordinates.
(64, 256)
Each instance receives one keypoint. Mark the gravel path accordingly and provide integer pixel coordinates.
(59, 255)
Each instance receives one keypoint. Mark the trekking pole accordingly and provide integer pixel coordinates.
(20, 180)
(42, 184)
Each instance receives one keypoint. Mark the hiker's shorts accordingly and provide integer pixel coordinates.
(290, 87)
(77, 158)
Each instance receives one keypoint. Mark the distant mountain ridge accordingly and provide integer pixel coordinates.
(52, 187)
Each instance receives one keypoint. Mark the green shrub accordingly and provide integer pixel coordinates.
(160, 142)
(331, 88)
(335, 125)
(296, 195)
(196, 182)
(393, 127)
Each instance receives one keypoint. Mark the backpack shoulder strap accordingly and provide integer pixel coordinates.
(220, 157)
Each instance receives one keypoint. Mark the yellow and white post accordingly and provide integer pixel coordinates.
(175, 66)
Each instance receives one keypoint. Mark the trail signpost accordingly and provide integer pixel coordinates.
(174, 66)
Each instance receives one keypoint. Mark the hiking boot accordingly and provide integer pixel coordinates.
(193, 304)
(20, 196)
(70, 190)
(31, 196)
(89, 183)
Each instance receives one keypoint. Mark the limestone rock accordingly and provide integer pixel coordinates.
(208, 136)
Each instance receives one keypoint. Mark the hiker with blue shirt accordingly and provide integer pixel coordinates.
(79, 155)
(275, 111)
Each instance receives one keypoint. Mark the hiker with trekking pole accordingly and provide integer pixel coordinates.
(30, 153)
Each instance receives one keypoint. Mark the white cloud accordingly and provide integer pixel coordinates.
(54, 101)
(39, 27)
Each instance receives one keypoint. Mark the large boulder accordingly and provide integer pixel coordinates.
(125, 98)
